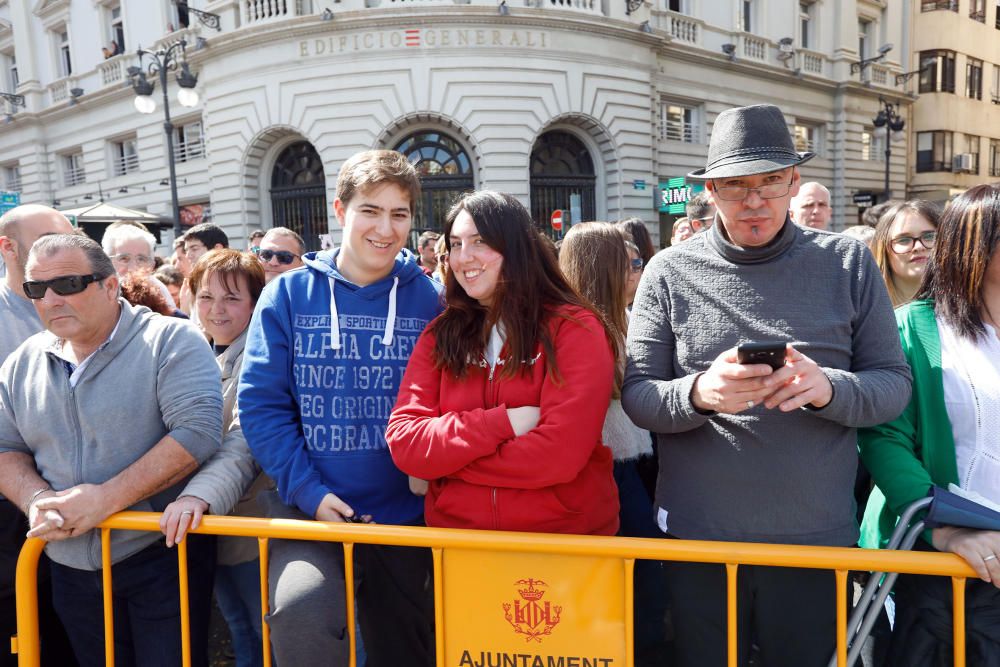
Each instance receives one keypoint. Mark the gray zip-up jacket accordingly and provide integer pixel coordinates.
(155, 377)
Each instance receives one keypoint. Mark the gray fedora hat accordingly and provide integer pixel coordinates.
(747, 141)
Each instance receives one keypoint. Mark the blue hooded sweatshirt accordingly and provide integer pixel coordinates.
(320, 377)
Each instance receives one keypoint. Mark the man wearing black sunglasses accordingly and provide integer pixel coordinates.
(19, 229)
(280, 250)
(111, 408)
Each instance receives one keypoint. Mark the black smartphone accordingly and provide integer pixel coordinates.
(354, 518)
(770, 352)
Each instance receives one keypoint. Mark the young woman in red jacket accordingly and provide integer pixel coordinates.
(504, 397)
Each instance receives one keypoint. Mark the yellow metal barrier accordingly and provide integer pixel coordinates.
(440, 540)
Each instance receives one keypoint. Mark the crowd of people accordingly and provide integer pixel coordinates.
(495, 380)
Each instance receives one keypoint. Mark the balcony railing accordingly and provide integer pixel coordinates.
(683, 28)
(74, 176)
(59, 90)
(126, 164)
(754, 48)
(264, 11)
(674, 131)
(811, 63)
(13, 184)
(112, 70)
(978, 16)
(185, 151)
(879, 75)
(582, 5)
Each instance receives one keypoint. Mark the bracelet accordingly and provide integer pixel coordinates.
(34, 496)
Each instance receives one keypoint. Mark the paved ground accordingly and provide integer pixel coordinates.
(220, 650)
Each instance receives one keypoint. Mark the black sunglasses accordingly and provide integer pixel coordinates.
(63, 285)
(284, 257)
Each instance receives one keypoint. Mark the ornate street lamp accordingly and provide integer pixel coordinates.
(171, 58)
(889, 122)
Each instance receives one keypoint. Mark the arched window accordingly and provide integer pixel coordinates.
(561, 167)
(298, 193)
(445, 175)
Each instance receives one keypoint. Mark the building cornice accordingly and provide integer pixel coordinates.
(466, 15)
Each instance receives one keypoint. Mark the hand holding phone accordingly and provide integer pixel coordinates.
(771, 353)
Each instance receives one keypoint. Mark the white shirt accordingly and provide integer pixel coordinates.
(971, 379)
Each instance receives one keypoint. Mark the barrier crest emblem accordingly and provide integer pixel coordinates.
(528, 614)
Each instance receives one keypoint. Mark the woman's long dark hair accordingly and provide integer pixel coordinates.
(530, 285)
(967, 239)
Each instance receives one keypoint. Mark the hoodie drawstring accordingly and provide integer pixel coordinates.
(390, 318)
(334, 319)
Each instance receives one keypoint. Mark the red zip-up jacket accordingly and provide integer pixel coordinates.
(557, 478)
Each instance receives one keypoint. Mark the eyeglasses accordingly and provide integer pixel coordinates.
(635, 265)
(707, 222)
(904, 244)
(740, 192)
(63, 285)
(138, 260)
(283, 256)
(255, 249)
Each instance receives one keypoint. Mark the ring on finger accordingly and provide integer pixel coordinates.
(750, 404)
(990, 557)
(187, 512)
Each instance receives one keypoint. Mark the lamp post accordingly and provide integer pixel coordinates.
(171, 58)
(889, 121)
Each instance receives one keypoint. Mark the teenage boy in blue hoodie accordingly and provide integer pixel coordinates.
(325, 353)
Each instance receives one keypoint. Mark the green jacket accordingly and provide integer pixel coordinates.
(916, 450)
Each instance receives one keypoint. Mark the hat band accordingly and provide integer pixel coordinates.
(769, 152)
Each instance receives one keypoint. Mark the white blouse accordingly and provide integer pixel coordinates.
(971, 378)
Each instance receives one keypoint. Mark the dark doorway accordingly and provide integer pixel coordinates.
(561, 166)
(298, 193)
(445, 175)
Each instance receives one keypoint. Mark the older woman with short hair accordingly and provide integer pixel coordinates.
(226, 285)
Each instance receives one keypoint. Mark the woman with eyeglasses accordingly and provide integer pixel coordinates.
(601, 265)
(131, 249)
(902, 244)
(503, 401)
(633, 274)
(280, 250)
(948, 433)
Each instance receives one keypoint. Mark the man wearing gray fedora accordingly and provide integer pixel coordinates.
(748, 452)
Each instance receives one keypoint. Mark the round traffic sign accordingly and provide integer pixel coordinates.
(557, 220)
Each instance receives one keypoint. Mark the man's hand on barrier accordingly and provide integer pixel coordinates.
(332, 508)
(729, 386)
(82, 507)
(45, 524)
(180, 516)
(799, 382)
(979, 548)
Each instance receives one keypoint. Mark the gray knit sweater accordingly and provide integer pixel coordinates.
(762, 475)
